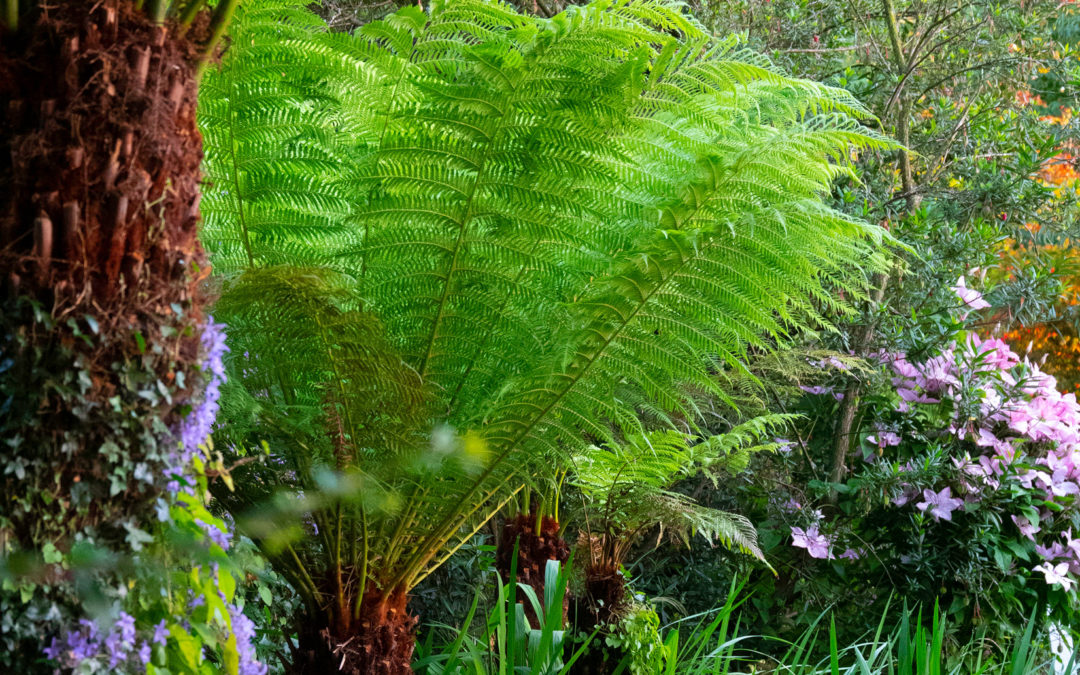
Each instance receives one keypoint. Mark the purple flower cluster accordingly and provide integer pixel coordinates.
(1024, 433)
(196, 427)
(244, 630)
(86, 647)
(112, 649)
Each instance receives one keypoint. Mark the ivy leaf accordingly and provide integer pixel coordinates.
(136, 537)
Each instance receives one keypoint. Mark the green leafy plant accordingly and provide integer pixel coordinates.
(627, 488)
(512, 231)
(508, 642)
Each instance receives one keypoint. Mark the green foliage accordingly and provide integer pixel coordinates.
(637, 635)
(180, 582)
(508, 641)
(537, 228)
(628, 486)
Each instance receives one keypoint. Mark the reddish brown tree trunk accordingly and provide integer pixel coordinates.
(99, 185)
(101, 169)
(534, 552)
(380, 642)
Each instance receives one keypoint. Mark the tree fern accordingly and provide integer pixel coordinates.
(539, 229)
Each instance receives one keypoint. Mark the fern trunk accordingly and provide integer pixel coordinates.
(379, 641)
(600, 607)
(99, 264)
(535, 547)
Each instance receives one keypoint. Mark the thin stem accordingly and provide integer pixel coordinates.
(190, 12)
(363, 563)
(157, 10)
(11, 15)
(219, 23)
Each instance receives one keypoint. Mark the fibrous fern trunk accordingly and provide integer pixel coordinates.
(99, 197)
(102, 167)
(536, 541)
(379, 641)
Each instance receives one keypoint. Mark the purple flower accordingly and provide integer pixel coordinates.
(196, 427)
(1051, 552)
(791, 506)
(144, 653)
(884, 438)
(54, 650)
(244, 630)
(816, 544)
(851, 554)
(161, 633)
(121, 641)
(905, 496)
(816, 390)
(215, 534)
(940, 504)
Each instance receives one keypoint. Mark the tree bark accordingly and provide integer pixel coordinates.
(99, 187)
(534, 550)
(379, 642)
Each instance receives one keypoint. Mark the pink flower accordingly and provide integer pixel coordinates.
(971, 298)
(940, 504)
(816, 390)
(884, 438)
(1055, 574)
(938, 374)
(1052, 552)
(816, 544)
(1026, 528)
(994, 352)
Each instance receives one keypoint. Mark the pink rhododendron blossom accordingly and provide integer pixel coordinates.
(972, 299)
(940, 504)
(1055, 574)
(938, 374)
(816, 544)
(994, 353)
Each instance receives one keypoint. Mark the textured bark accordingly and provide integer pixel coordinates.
(603, 602)
(99, 184)
(380, 642)
(101, 169)
(534, 552)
